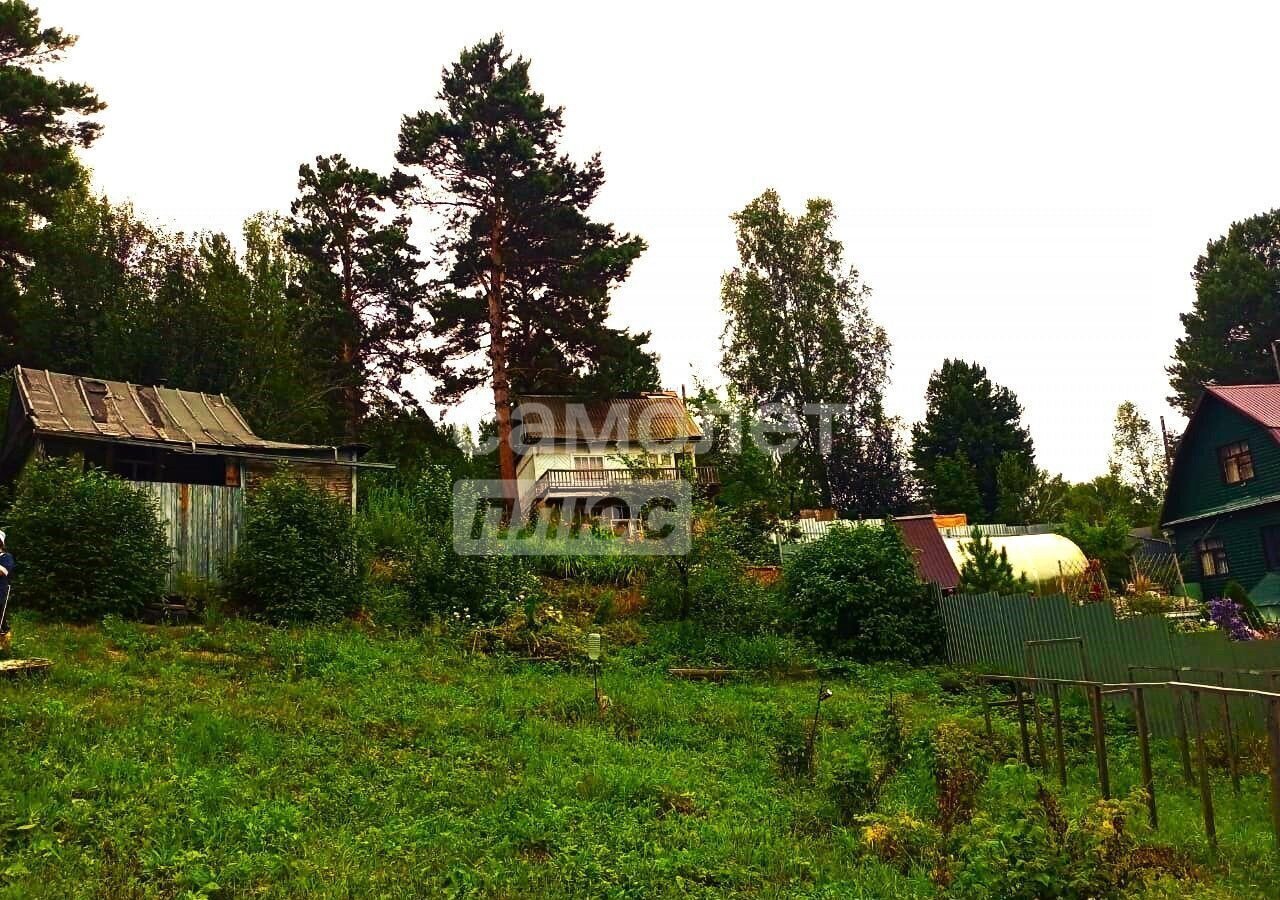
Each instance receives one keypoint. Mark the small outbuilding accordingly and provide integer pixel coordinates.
(192, 451)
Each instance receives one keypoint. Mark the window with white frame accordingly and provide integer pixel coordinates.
(1213, 557)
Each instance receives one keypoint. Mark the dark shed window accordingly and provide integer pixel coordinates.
(1271, 547)
(1213, 557)
(1237, 462)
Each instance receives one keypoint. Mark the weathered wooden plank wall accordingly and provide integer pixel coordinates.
(202, 523)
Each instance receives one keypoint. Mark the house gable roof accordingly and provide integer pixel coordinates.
(74, 406)
(1258, 404)
(658, 416)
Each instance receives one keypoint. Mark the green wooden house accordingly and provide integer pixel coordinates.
(1222, 508)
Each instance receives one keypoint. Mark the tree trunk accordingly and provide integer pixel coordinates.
(498, 360)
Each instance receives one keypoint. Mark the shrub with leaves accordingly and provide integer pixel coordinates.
(793, 749)
(299, 558)
(958, 771)
(87, 543)
(1037, 851)
(856, 591)
(709, 584)
(987, 572)
(855, 790)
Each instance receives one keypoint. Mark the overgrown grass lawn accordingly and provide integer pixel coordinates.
(249, 761)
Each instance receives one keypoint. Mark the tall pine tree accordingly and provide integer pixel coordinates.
(364, 270)
(528, 271)
(1236, 316)
(42, 123)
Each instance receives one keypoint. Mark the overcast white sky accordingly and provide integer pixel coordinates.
(1025, 185)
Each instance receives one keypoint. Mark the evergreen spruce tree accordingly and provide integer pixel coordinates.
(987, 572)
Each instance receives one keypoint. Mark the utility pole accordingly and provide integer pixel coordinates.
(1275, 358)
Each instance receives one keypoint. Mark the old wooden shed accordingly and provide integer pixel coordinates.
(191, 451)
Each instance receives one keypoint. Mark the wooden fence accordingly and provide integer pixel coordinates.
(202, 523)
(990, 632)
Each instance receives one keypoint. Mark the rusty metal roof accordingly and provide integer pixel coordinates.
(59, 404)
(1260, 402)
(933, 560)
(651, 417)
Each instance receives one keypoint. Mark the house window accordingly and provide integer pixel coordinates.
(1237, 462)
(1213, 557)
(1271, 547)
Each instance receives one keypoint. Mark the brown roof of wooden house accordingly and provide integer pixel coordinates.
(650, 417)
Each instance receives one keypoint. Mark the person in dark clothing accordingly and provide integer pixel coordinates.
(6, 573)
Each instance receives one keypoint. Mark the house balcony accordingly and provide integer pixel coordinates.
(597, 482)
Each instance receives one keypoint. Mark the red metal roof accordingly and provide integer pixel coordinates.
(1260, 402)
(933, 561)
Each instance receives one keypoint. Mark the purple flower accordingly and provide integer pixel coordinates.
(1228, 615)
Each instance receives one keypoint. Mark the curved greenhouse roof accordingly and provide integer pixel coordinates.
(1037, 556)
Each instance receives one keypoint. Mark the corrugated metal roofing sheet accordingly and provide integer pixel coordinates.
(933, 560)
(653, 417)
(57, 403)
(1260, 402)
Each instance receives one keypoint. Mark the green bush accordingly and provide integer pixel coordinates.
(856, 591)
(1037, 851)
(483, 588)
(87, 544)
(959, 770)
(854, 789)
(709, 585)
(299, 558)
(410, 528)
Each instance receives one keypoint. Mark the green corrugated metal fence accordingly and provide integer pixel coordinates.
(990, 631)
(202, 523)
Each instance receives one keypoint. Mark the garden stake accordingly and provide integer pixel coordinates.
(1206, 790)
(1184, 740)
(1022, 722)
(824, 693)
(1232, 762)
(1035, 707)
(593, 653)
(1144, 753)
(1273, 744)
(986, 711)
(1099, 740)
(1056, 693)
(1179, 719)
